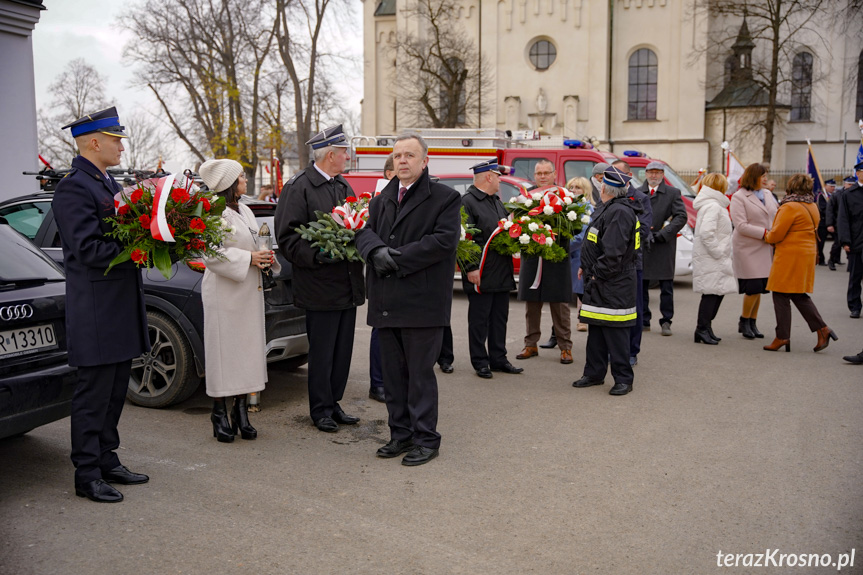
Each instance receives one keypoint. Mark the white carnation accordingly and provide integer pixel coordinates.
(571, 216)
(536, 196)
(507, 225)
(548, 227)
(528, 203)
(524, 218)
(585, 219)
(524, 239)
(567, 200)
(532, 226)
(548, 210)
(548, 241)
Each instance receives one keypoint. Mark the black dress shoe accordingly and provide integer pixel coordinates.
(620, 389)
(446, 367)
(377, 393)
(341, 417)
(121, 474)
(832, 266)
(508, 368)
(98, 491)
(587, 382)
(855, 359)
(855, 314)
(551, 343)
(395, 448)
(327, 424)
(484, 372)
(419, 455)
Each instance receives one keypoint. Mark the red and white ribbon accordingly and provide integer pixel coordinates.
(498, 230)
(350, 218)
(538, 279)
(159, 222)
(551, 199)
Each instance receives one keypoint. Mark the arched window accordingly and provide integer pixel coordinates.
(859, 87)
(642, 85)
(731, 67)
(801, 88)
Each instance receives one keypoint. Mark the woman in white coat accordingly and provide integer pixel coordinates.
(712, 269)
(234, 338)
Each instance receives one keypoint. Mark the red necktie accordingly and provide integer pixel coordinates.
(652, 191)
(402, 191)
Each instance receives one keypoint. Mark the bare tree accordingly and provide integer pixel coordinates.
(75, 92)
(147, 143)
(439, 69)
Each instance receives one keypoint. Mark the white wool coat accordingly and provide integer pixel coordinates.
(712, 268)
(234, 337)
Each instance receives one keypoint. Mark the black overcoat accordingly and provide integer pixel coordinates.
(667, 206)
(556, 282)
(426, 230)
(106, 321)
(833, 208)
(484, 212)
(849, 225)
(316, 286)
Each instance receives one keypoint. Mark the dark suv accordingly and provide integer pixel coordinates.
(171, 372)
(36, 382)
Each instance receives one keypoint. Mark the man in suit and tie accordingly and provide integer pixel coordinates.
(669, 217)
(410, 243)
(106, 321)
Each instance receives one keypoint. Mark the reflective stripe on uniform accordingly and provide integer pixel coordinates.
(637, 235)
(608, 314)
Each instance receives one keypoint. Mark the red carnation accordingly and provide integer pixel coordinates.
(468, 236)
(123, 210)
(139, 256)
(206, 203)
(197, 225)
(515, 231)
(180, 195)
(350, 199)
(196, 245)
(136, 196)
(145, 220)
(557, 208)
(366, 195)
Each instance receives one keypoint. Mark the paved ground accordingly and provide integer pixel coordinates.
(725, 448)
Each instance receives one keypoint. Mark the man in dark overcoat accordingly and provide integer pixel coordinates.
(849, 226)
(669, 217)
(488, 281)
(410, 244)
(835, 258)
(541, 281)
(608, 261)
(106, 321)
(823, 203)
(329, 290)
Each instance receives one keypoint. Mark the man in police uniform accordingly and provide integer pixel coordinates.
(608, 261)
(487, 282)
(329, 290)
(849, 227)
(823, 203)
(832, 219)
(106, 322)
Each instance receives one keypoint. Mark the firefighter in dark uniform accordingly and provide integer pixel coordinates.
(106, 321)
(823, 203)
(849, 228)
(329, 290)
(608, 262)
(489, 281)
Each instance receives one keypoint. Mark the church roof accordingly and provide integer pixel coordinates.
(386, 8)
(739, 95)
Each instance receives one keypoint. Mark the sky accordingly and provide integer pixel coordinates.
(70, 29)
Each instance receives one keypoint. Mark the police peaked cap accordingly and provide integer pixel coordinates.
(830, 182)
(330, 137)
(105, 121)
(615, 178)
(851, 179)
(858, 167)
(486, 166)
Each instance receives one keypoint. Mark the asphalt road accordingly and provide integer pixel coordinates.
(727, 448)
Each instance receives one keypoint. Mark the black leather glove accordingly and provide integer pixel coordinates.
(382, 260)
(323, 258)
(658, 238)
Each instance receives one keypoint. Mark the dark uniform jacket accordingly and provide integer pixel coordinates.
(106, 321)
(667, 206)
(484, 212)
(832, 215)
(645, 220)
(426, 230)
(850, 220)
(318, 287)
(608, 262)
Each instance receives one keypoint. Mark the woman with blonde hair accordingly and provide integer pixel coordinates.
(712, 270)
(792, 277)
(753, 208)
(579, 186)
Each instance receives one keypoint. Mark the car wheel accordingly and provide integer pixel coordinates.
(166, 375)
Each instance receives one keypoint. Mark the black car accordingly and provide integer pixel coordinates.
(171, 372)
(36, 382)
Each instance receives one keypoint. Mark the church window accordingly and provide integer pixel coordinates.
(801, 88)
(542, 54)
(642, 85)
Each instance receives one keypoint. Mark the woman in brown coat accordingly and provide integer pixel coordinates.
(753, 208)
(792, 277)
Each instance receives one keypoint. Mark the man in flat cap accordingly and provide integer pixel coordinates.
(669, 217)
(410, 243)
(329, 290)
(488, 281)
(608, 260)
(850, 230)
(106, 321)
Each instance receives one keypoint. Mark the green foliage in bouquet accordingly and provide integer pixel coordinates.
(336, 241)
(527, 235)
(468, 251)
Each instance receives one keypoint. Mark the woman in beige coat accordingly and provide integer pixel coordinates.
(752, 211)
(792, 276)
(234, 338)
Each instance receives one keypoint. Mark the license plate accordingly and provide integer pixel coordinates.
(27, 340)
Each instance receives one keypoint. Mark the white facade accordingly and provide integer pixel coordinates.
(575, 88)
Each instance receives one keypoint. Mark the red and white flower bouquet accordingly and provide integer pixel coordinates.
(334, 233)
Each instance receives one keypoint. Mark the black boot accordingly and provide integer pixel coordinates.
(552, 341)
(713, 335)
(754, 328)
(743, 327)
(703, 336)
(219, 417)
(240, 419)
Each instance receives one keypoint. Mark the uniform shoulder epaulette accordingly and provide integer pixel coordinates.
(70, 172)
(294, 178)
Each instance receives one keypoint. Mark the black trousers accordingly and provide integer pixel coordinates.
(855, 278)
(331, 344)
(635, 331)
(96, 408)
(835, 251)
(821, 239)
(409, 355)
(603, 342)
(782, 309)
(666, 301)
(447, 351)
(376, 376)
(487, 315)
(707, 309)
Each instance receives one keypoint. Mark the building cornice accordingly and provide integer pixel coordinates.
(19, 18)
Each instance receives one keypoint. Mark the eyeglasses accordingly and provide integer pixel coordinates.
(543, 173)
